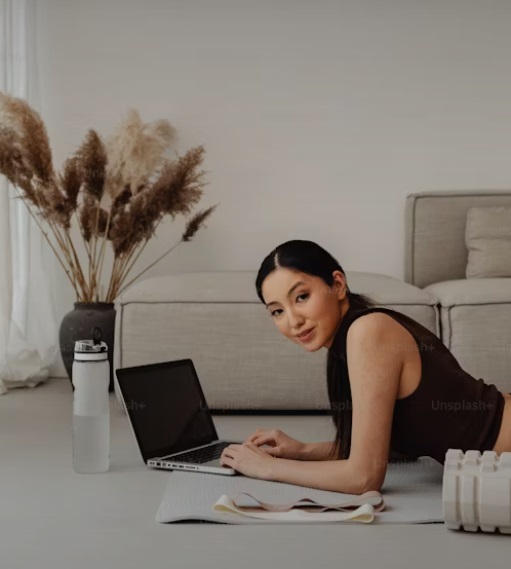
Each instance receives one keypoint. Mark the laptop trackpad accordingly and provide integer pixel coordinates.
(215, 462)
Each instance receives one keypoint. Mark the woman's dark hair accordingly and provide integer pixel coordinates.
(308, 257)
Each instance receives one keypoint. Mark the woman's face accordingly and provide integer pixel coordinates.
(296, 308)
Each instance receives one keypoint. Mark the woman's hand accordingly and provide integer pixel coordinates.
(248, 459)
(281, 445)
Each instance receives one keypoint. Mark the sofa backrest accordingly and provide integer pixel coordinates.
(435, 222)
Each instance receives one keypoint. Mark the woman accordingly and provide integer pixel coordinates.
(392, 384)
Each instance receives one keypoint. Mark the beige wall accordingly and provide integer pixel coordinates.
(318, 117)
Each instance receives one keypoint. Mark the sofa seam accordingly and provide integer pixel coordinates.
(474, 304)
(438, 311)
(413, 239)
(450, 326)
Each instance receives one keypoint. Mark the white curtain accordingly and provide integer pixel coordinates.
(28, 328)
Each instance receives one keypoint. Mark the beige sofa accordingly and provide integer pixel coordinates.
(216, 319)
(243, 362)
(475, 314)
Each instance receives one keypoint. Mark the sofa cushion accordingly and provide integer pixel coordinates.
(471, 291)
(488, 239)
(243, 362)
(239, 286)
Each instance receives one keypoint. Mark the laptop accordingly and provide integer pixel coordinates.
(170, 418)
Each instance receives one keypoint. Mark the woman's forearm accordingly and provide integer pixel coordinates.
(321, 451)
(317, 451)
(333, 475)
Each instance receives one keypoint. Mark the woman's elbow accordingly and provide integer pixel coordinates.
(375, 486)
(373, 481)
(363, 476)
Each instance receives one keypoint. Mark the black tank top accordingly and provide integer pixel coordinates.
(448, 409)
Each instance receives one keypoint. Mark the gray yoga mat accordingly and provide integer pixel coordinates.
(412, 493)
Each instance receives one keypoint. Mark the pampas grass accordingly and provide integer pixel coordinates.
(116, 192)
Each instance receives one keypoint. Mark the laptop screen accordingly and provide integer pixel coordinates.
(166, 407)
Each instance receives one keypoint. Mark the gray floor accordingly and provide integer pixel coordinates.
(52, 517)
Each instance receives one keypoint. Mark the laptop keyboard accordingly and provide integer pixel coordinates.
(200, 455)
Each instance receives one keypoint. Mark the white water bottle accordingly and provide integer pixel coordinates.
(91, 406)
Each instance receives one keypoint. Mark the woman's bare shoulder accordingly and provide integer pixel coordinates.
(378, 331)
(375, 323)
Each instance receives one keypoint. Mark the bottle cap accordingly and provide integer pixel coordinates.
(89, 347)
(94, 349)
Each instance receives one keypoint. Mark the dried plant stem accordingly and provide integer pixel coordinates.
(150, 266)
(49, 242)
(67, 255)
(93, 282)
(127, 264)
(79, 271)
(60, 242)
(75, 280)
(86, 245)
(95, 237)
(128, 267)
(125, 269)
(103, 246)
(121, 268)
(84, 241)
(116, 277)
(112, 279)
(115, 280)
(63, 248)
(126, 272)
(79, 284)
